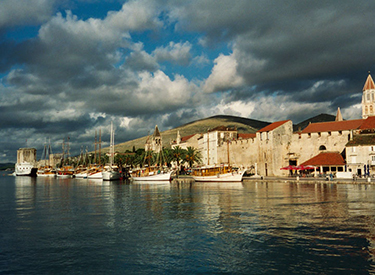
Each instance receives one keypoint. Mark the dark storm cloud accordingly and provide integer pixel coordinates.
(287, 41)
(78, 73)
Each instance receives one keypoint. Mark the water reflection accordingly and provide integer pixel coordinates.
(250, 227)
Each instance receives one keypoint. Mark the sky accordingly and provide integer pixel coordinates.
(70, 67)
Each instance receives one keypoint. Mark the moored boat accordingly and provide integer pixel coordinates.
(25, 169)
(46, 171)
(214, 173)
(150, 174)
(26, 159)
(111, 172)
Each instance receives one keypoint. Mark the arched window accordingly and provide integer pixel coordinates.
(322, 147)
(366, 110)
(371, 110)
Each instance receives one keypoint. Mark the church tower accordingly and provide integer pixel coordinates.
(368, 98)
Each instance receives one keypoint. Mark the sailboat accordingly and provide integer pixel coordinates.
(155, 173)
(46, 170)
(111, 172)
(80, 171)
(65, 170)
(96, 170)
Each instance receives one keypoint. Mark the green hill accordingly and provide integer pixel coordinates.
(244, 125)
(319, 118)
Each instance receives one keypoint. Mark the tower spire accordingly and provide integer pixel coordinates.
(338, 115)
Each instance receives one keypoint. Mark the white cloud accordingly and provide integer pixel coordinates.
(224, 75)
(22, 12)
(175, 52)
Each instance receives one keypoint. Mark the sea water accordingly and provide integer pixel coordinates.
(73, 226)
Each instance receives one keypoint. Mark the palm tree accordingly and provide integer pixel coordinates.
(178, 155)
(193, 155)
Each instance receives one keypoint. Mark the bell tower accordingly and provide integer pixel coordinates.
(368, 98)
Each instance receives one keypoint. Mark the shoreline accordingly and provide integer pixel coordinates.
(362, 181)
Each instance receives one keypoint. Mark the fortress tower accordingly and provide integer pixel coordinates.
(368, 98)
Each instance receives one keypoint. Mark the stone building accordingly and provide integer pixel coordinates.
(154, 142)
(326, 143)
(26, 155)
(368, 98)
(214, 145)
(186, 141)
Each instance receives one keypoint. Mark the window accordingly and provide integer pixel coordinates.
(340, 133)
(329, 133)
(353, 149)
(371, 110)
(322, 147)
(373, 158)
(366, 110)
(309, 135)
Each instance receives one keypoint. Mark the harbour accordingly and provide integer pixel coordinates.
(75, 226)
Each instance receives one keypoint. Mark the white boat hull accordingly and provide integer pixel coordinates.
(157, 177)
(25, 169)
(46, 175)
(228, 177)
(81, 175)
(64, 176)
(111, 175)
(97, 175)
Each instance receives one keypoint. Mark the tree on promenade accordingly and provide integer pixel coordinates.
(193, 156)
(178, 155)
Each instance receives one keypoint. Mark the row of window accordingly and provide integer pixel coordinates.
(367, 110)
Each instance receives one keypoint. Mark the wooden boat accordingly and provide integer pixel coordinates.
(46, 170)
(65, 170)
(150, 174)
(214, 173)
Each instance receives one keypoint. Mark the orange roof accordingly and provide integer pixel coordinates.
(333, 126)
(272, 126)
(369, 85)
(326, 158)
(246, 136)
(369, 123)
(186, 138)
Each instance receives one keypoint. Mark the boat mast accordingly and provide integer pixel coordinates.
(100, 144)
(208, 146)
(112, 141)
(96, 144)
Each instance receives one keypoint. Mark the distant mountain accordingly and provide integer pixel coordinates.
(244, 125)
(319, 118)
(4, 166)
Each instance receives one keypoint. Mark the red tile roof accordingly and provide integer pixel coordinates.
(272, 126)
(246, 136)
(368, 123)
(333, 126)
(186, 138)
(369, 85)
(326, 158)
